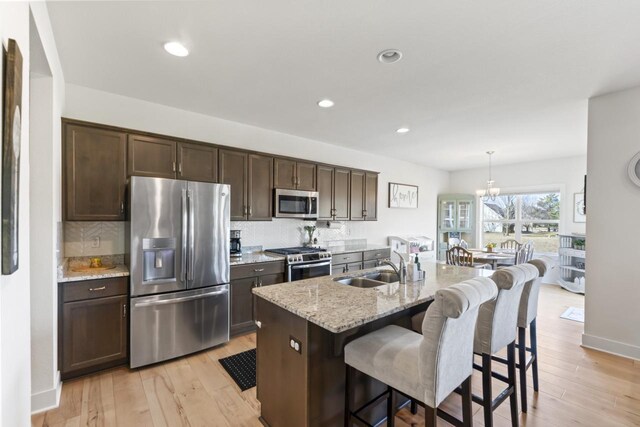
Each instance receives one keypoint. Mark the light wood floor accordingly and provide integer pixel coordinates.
(577, 387)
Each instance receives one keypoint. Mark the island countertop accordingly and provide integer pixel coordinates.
(337, 307)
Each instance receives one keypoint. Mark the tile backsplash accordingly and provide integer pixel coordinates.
(93, 238)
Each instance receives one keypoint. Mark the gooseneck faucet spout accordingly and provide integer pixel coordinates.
(401, 271)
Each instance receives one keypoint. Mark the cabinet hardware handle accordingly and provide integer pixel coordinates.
(378, 255)
(101, 288)
(124, 310)
(257, 270)
(258, 324)
(260, 282)
(173, 167)
(122, 207)
(250, 211)
(180, 168)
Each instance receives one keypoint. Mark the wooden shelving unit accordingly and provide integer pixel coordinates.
(572, 266)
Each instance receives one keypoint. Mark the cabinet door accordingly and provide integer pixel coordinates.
(371, 197)
(464, 210)
(149, 156)
(197, 162)
(306, 176)
(341, 194)
(260, 193)
(370, 264)
(284, 174)
(271, 279)
(356, 198)
(95, 174)
(447, 214)
(354, 266)
(325, 192)
(94, 333)
(242, 304)
(233, 171)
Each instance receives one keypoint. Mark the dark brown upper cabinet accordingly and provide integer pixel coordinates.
(333, 189)
(260, 190)
(233, 171)
(150, 156)
(197, 162)
(371, 197)
(95, 173)
(356, 199)
(294, 175)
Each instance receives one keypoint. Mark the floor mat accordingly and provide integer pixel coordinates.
(242, 368)
(574, 313)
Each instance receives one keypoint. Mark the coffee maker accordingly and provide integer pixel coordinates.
(235, 247)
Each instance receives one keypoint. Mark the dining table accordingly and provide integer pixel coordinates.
(502, 256)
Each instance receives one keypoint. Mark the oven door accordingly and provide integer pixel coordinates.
(308, 270)
(295, 204)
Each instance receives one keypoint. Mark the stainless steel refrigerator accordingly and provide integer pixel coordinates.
(178, 258)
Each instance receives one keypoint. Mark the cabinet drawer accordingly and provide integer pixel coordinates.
(257, 269)
(379, 254)
(90, 289)
(347, 258)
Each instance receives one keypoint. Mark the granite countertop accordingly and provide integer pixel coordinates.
(355, 248)
(337, 307)
(256, 257)
(66, 274)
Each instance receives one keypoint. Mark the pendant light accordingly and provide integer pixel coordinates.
(490, 192)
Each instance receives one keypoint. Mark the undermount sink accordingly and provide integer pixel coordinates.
(371, 280)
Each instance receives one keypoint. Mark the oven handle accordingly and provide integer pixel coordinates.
(319, 264)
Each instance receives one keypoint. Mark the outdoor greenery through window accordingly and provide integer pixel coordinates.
(524, 217)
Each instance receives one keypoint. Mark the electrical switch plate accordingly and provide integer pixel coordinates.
(95, 242)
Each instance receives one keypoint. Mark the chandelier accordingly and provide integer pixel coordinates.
(490, 192)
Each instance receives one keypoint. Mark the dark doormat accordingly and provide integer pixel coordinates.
(242, 368)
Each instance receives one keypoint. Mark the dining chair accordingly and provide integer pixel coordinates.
(524, 254)
(462, 257)
(510, 244)
(425, 367)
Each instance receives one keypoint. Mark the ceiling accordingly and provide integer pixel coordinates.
(500, 75)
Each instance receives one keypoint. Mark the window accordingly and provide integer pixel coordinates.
(524, 217)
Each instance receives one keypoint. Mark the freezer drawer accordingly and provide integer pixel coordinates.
(172, 325)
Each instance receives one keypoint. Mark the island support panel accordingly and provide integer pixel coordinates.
(307, 388)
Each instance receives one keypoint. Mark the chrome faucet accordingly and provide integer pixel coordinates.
(402, 271)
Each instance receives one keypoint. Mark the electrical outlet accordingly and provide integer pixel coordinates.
(95, 242)
(295, 344)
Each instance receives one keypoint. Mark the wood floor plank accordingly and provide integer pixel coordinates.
(132, 407)
(164, 404)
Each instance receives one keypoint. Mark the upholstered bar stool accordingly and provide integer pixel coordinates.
(425, 367)
(527, 314)
(495, 330)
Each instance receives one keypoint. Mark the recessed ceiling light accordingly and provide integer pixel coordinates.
(176, 49)
(389, 56)
(402, 130)
(325, 103)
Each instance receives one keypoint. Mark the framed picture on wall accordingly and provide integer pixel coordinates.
(403, 196)
(12, 112)
(579, 209)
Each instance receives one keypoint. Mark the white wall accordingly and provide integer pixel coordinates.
(14, 290)
(101, 107)
(47, 98)
(613, 205)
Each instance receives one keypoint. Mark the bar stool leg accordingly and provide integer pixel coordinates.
(430, 416)
(511, 369)
(414, 407)
(348, 395)
(522, 360)
(487, 398)
(534, 353)
(467, 403)
(391, 408)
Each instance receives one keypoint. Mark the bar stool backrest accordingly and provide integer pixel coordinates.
(529, 301)
(446, 349)
(497, 319)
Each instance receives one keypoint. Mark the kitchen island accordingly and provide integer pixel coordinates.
(303, 327)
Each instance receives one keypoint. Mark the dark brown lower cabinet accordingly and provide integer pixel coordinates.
(93, 326)
(243, 279)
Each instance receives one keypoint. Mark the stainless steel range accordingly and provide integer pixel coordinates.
(305, 263)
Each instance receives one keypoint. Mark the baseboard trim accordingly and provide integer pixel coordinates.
(48, 399)
(610, 346)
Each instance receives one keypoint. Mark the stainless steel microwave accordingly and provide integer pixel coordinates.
(295, 204)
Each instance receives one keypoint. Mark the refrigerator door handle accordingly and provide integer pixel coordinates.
(191, 236)
(184, 235)
(181, 299)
